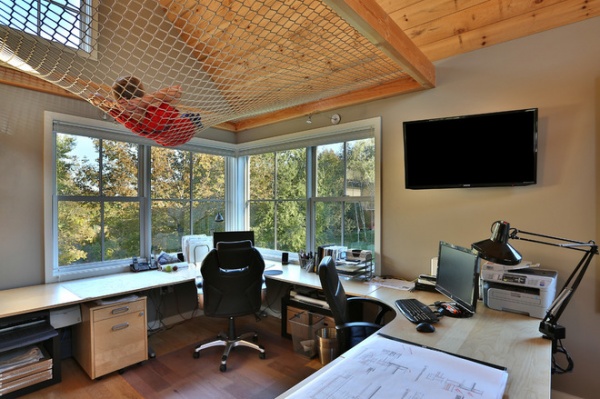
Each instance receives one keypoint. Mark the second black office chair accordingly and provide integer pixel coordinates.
(349, 312)
(232, 284)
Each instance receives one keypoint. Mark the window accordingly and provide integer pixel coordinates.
(278, 199)
(67, 22)
(188, 190)
(112, 195)
(315, 188)
(98, 200)
(345, 194)
(115, 197)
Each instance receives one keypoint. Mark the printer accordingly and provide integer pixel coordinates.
(528, 291)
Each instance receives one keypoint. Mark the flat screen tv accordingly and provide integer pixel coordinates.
(483, 150)
(458, 276)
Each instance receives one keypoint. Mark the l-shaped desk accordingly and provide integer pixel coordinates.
(502, 338)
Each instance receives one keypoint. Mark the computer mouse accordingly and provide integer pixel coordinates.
(425, 327)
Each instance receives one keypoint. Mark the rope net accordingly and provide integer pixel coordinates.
(168, 69)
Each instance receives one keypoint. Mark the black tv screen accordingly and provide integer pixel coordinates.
(483, 150)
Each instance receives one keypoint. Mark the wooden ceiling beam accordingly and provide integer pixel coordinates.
(406, 85)
(371, 21)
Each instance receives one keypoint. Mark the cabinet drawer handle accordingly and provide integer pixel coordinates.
(120, 326)
(123, 309)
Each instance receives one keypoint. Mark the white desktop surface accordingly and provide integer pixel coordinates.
(503, 338)
(296, 275)
(124, 283)
(48, 296)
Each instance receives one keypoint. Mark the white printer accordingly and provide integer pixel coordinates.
(528, 291)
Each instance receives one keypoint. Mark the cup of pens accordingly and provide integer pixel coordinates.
(306, 261)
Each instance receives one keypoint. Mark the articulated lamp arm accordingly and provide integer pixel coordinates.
(497, 249)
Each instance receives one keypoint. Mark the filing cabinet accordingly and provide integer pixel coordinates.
(111, 336)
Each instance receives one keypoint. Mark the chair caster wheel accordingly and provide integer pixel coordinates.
(223, 368)
(196, 355)
(262, 355)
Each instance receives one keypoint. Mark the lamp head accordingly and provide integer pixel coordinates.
(497, 249)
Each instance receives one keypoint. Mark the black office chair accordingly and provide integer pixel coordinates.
(232, 284)
(349, 312)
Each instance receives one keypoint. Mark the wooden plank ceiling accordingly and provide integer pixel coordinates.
(413, 33)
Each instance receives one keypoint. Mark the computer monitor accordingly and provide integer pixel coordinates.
(229, 236)
(458, 276)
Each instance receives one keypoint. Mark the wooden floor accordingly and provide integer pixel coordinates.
(173, 375)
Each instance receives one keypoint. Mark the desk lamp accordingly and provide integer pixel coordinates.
(497, 249)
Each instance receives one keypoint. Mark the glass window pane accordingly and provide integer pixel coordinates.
(328, 223)
(119, 169)
(360, 168)
(291, 174)
(77, 166)
(170, 173)
(262, 222)
(169, 221)
(79, 234)
(208, 177)
(359, 225)
(330, 170)
(262, 176)
(203, 217)
(291, 226)
(122, 230)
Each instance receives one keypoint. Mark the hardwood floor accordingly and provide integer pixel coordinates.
(175, 374)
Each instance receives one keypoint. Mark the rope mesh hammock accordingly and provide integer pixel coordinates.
(221, 60)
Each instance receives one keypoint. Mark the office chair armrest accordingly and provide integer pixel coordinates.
(357, 303)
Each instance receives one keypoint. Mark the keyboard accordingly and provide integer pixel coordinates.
(416, 311)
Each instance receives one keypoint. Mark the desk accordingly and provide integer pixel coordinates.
(502, 338)
(50, 296)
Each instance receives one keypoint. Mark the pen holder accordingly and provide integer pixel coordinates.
(306, 263)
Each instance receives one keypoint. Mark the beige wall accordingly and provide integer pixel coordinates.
(557, 72)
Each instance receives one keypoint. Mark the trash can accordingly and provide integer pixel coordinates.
(304, 332)
(328, 344)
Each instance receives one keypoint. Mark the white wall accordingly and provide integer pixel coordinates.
(557, 72)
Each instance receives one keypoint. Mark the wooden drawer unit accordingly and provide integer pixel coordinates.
(111, 337)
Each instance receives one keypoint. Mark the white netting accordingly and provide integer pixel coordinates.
(225, 60)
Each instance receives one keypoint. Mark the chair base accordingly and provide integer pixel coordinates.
(229, 343)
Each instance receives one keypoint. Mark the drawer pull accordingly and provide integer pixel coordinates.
(123, 309)
(120, 326)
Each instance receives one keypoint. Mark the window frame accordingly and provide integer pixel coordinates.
(108, 131)
(310, 139)
(236, 178)
(88, 32)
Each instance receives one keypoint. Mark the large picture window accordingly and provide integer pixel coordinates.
(315, 188)
(115, 199)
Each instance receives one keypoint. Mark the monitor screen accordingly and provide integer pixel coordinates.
(483, 150)
(228, 236)
(457, 276)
